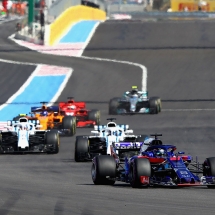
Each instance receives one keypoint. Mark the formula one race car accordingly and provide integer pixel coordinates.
(23, 137)
(151, 164)
(86, 147)
(50, 117)
(135, 102)
(84, 117)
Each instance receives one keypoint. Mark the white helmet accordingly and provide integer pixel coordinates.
(161, 152)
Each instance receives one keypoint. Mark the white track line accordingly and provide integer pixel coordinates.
(89, 38)
(142, 67)
(22, 88)
(177, 110)
(33, 74)
(68, 76)
(62, 86)
(18, 62)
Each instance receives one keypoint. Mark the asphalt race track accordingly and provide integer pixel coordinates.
(180, 70)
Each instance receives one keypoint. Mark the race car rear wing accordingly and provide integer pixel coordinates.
(127, 145)
(48, 109)
(100, 127)
(80, 105)
(11, 123)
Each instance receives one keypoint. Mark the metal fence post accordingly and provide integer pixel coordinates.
(30, 12)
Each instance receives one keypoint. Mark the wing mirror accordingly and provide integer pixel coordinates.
(95, 132)
(9, 123)
(180, 153)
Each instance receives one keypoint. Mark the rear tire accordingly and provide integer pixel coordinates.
(81, 149)
(69, 122)
(94, 115)
(139, 167)
(103, 166)
(52, 138)
(210, 171)
(113, 106)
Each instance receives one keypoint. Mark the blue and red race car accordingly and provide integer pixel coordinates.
(151, 163)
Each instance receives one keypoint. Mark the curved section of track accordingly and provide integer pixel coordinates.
(10, 72)
(55, 184)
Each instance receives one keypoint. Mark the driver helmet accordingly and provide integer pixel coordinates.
(134, 90)
(72, 107)
(44, 113)
(161, 152)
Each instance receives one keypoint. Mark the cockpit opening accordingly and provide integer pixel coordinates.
(23, 120)
(111, 124)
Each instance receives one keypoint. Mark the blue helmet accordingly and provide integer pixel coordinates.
(44, 113)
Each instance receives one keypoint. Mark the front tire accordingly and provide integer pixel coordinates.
(139, 167)
(81, 149)
(153, 105)
(52, 138)
(69, 123)
(159, 104)
(209, 169)
(103, 166)
(94, 115)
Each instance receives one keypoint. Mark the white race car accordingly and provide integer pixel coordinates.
(23, 137)
(104, 136)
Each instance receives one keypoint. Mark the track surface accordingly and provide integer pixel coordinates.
(55, 184)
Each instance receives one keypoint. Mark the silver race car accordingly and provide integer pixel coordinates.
(135, 102)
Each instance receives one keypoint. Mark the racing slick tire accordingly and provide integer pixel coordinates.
(94, 115)
(139, 167)
(158, 103)
(153, 106)
(209, 169)
(81, 149)
(113, 106)
(12, 135)
(103, 166)
(52, 138)
(69, 122)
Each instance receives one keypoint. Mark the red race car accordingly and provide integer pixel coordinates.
(84, 117)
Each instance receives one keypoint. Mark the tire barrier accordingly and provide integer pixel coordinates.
(19, 8)
(193, 5)
(71, 16)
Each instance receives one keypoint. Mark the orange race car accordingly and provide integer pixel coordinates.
(84, 117)
(50, 117)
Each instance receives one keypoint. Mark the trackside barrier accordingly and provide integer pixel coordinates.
(193, 5)
(19, 8)
(70, 16)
